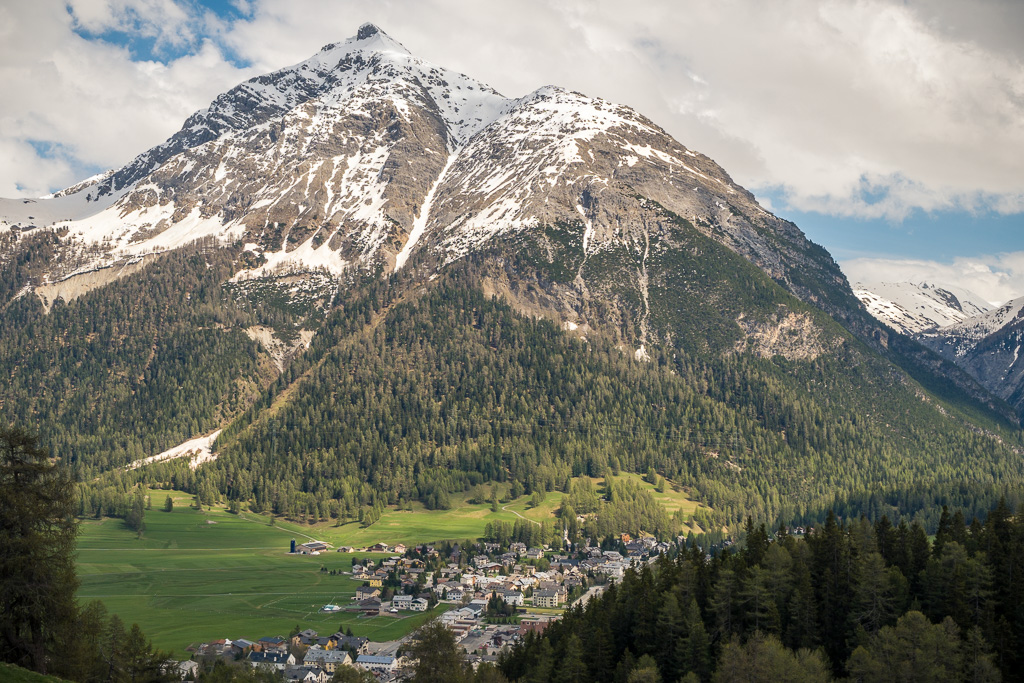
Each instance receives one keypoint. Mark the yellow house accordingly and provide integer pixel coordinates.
(376, 583)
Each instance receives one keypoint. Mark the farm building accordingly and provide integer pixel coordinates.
(311, 548)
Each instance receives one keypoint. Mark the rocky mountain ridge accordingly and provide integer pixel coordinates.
(364, 153)
(959, 326)
(987, 346)
(912, 307)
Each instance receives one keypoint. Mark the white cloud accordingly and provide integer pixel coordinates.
(89, 97)
(161, 19)
(996, 278)
(867, 108)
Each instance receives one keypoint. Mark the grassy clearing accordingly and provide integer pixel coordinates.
(462, 521)
(674, 498)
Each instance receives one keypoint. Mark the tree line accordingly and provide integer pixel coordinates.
(850, 600)
(42, 626)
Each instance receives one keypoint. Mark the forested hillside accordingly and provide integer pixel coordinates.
(411, 393)
(874, 602)
(140, 365)
(463, 288)
(414, 389)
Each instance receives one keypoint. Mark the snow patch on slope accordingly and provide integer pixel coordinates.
(419, 225)
(45, 211)
(539, 140)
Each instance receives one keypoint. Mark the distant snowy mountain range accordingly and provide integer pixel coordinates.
(960, 326)
(913, 307)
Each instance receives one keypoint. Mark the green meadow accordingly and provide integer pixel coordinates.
(195, 576)
(10, 673)
(674, 498)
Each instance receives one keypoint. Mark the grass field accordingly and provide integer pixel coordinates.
(195, 576)
(420, 525)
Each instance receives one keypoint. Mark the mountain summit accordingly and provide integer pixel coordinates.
(371, 38)
(365, 156)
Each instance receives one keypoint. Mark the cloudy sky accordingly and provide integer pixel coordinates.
(891, 132)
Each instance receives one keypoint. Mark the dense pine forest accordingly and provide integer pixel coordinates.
(415, 394)
(139, 365)
(850, 600)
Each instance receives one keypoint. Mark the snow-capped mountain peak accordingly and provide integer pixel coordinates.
(365, 155)
(351, 136)
(370, 37)
(982, 325)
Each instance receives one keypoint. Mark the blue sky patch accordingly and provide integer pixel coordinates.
(148, 41)
(936, 235)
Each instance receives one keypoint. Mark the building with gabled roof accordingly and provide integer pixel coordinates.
(328, 660)
(270, 659)
(376, 663)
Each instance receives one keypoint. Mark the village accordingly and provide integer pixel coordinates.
(491, 596)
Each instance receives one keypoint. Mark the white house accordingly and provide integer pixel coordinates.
(545, 598)
(328, 660)
(512, 597)
(271, 660)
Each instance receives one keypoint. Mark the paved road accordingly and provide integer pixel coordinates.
(386, 648)
(592, 592)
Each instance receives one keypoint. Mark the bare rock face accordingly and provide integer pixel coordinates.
(794, 336)
(601, 190)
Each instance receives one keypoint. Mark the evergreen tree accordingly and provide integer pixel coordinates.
(879, 593)
(543, 665)
(694, 655)
(645, 671)
(669, 631)
(437, 655)
(763, 658)
(912, 650)
(572, 668)
(37, 543)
